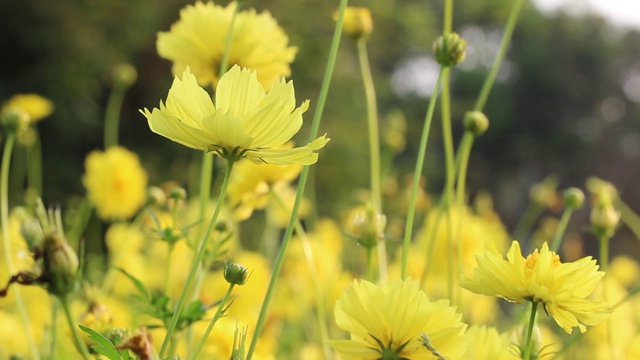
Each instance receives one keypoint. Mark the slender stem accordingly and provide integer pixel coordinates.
(315, 125)
(9, 141)
(528, 219)
(465, 152)
(80, 221)
(370, 264)
(374, 147)
(34, 167)
(416, 175)
(112, 115)
(77, 340)
(628, 216)
(167, 270)
(315, 279)
(532, 320)
(53, 330)
(219, 313)
(562, 227)
(198, 259)
(504, 45)
(448, 16)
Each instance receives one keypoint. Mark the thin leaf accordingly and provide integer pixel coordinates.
(105, 346)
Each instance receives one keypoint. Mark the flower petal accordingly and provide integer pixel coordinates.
(238, 91)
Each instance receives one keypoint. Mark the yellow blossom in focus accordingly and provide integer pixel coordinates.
(198, 41)
(396, 321)
(357, 22)
(486, 343)
(562, 288)
(245, 121)
(116, 183)
(36, 106)
(250, 185)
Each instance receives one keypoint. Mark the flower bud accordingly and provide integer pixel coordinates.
(604, 219)
(125, 75)
(31, 231)
(449, 49)
(156, 196)
(14, 120)
(222, 226)
(545, 193)
(178, 193)
(60, 265)
(573, 198)
(476, 122)
(368, 227)
(235, 274)
(357, 22)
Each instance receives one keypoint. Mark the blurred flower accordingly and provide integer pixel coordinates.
(198, 41)
(367, 226)
(116, 183)
(36, 106)
(395, 321)
(244, 122)
(562, 288)
(357, 22)
(250, 185)
(487, 343)
(545, 193)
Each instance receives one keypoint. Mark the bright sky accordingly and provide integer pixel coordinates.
(625, 13)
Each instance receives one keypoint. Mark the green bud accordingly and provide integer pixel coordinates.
(222, 226)
(156, 196)
(476, 122)
(125, 75)
(573, 198)
(450, 49)
(604, 220)
(235, 274)
(171, 235)
(60, 269)
(368, 227)
(14, 120)
(31, 231)
(178, 193)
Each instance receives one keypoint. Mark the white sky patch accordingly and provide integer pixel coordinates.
(620, 13)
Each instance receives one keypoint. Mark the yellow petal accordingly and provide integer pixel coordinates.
(238, 91)
(188, 101)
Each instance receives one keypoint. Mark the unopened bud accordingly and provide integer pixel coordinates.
(31, 231)
(222, 226)
(573, 198)
(178, 193)
(235, 274)
(125, 75)
(368, 227)
(476, 122)
(60, 265)
(604, 220)
(450, 49)
(357, 22)
(155, 196)
(14, 120)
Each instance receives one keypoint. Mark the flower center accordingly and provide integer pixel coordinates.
(532, 259)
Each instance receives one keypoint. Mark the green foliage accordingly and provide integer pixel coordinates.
(104, 346)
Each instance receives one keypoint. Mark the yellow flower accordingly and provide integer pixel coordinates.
(198, 41)
(562, 288)
(397, 321)
(244, 122)
(116, 182)
(487, 343)
(36, 106)
(250, 185)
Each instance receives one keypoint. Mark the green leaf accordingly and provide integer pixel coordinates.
(104, 347)
(138, 284)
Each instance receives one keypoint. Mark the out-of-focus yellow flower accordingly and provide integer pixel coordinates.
(357, 22)
(244, 122)
(562, 288)
(486, 343)
(116, 183)
(198, 41)
(36, 106)
(250, 185)
(397, 321)
(625, 270)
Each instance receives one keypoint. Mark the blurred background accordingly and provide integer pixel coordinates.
(566, 102)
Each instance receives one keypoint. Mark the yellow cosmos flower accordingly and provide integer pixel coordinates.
(562, 288)
(116, 183)
(487, 343)
(397, 321)
(244, 122)
(198, 41)
(36, 106)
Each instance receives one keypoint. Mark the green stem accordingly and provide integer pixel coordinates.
(447, 137)
(80, 221)
(604, 267)
(528, 219)
(465, 151)
(112, 115)
(77, 340)
(202, 246)
(562, 227)
(219, 313)
(167, 270)
(628, 216)
(9, 141)
(34, 167)
(448, 16)
(374, 147)
(53, 330)
(315, 279)
(416, 175)
(315, 125)
(504, 45)
(532, 321)
(370, 265)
